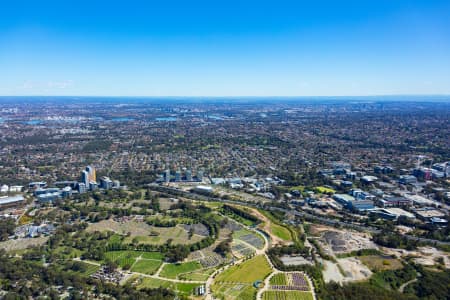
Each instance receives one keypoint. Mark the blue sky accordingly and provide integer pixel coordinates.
(224, 48)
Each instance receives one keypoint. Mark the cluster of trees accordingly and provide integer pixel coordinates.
(431, 285)
(161, 223)
(7, 227)
(22, 279)
(360, 252)
(154, 201)
(393, 279)
(173, 253)
(360, 291)
(224, 247)
(393, 240)
(308, 177)
(228, 209)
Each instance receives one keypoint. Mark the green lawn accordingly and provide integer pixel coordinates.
(114, 255)
(249, 271)
(152, 255)
(125, 259)
(153, 283)
(181, 288)
(186, 288)
(278, 279)
(67, 252)
(196, 276)
(88, 269)
(125, 262)
(115, 239)
(324, 190)
(280, 231)
(287, 295)
(146, 266)
(173, 270)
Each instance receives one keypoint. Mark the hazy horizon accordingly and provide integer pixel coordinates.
(234, 49)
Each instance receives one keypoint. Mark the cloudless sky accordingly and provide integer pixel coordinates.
(224, 48)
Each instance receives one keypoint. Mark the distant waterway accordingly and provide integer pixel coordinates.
(122, 119)
(166, 119)
(216, 118)
(32, 122)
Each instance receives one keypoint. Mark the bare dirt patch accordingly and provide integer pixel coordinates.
(21, 244)
(427, 256)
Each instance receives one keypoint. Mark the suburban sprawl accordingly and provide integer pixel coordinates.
(233, 199)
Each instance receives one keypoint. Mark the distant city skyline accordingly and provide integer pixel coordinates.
(234, 48)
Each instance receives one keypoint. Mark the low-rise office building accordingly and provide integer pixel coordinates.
(11, 201)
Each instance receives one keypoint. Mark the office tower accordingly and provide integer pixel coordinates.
(81, 188)
(106, 183)
(200, 175)
(93, 185)
(92, 175)
(178, 175)
(85, 178)
(66, 192)
(188, 175)
(167, 175)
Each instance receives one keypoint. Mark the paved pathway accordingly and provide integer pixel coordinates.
(402, 287)
(160, 268)
(266, 285)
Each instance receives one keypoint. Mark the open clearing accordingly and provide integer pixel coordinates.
(256, 268)
(146, 266)
(173, 270)
(345, 270)
(88, 269)
(141, 262)
(181, 288)
(380, 263)
(324, 190)
(342, 241)
(426, 256)
(20, 244)
(280, 232)
(354, 269)
(145, 233)
(125, 259)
